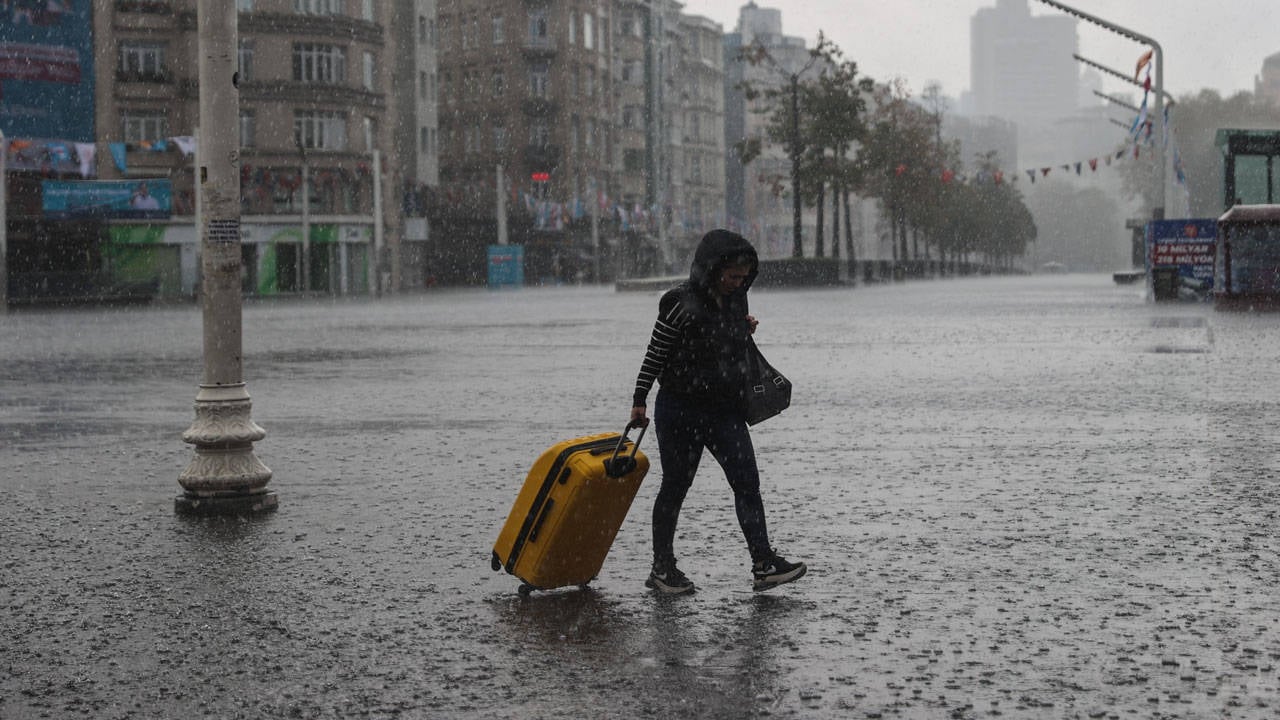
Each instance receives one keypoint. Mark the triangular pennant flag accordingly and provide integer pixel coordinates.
(85, 152)
(1093, 164)
(1045, 171)
(1032, 174)
(1142, 62)
(1077, 168)
(118, 154)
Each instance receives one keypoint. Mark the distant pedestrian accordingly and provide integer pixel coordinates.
(698, 355)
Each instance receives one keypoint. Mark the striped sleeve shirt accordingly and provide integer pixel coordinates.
(666, 331)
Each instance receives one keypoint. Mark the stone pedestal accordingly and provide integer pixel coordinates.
(224, 477)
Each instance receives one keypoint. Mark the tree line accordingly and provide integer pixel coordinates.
(847, 135)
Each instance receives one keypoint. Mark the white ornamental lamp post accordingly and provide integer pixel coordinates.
(224, 477)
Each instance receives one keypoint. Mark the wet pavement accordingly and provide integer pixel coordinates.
(1018, 497)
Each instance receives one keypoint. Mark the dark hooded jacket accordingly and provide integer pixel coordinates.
(709, 360)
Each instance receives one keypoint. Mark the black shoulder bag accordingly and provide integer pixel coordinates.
(768, 391)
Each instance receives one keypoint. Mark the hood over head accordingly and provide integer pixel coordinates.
(718, 249)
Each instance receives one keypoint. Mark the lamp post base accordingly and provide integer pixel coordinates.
(224, 477)
(223, 505)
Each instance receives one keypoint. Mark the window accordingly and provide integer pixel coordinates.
(244, 5)
(446, 88)
(499, 136)
(588, 31)
(575, 132)
(423, 35)
(633, 160)
(367, 76)
(471, 135)
(431, 96)
(370, 133)
(539, 134)
(319, 63)
(248, 129)
(319, 129)
(317, 7)
(244, 61)
(589, 87)
(366, 10)
(424, 140)
(589, 138)
(633, 72)
(539, 80)
(632, 116)
(422, 85)
(499, 83)
(144, 125)
(538, 34)
(499, 35)
(431, 30)
(573, 27)
(442, 25)
(141, 61)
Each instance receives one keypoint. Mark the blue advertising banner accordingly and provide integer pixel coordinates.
(1184, 247)
(150, 199)
(506, 266)
(46, 69)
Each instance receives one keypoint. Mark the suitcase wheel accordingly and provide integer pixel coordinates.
(495, 562)
(525, 589)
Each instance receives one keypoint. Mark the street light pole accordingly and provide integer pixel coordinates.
(224, 477)
(4, 224)
(1117, 74)
(797, 226)
(1157, 212)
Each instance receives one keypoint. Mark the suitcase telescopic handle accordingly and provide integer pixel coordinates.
(617, 466)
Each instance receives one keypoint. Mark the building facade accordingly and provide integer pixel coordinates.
(1022, 70)
(1266, 85)
(580, 110)
(319, 165)
(316, 109)
(415, 137)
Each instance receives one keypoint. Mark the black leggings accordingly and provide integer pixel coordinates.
(684, 427)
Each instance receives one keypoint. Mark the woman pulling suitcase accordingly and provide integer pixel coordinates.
(698, 356)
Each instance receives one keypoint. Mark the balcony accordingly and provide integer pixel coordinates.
(154, 7)
(540, 107)
(542, 158)
(539, 48)
(152, 77)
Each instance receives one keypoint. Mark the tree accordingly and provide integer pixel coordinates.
(783, 106)
(899, 162)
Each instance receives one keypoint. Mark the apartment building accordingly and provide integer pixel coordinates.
(698, 157)
(316, 111)
(578, 105)
(322, 160)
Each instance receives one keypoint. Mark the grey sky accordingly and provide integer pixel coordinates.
(1219, 45)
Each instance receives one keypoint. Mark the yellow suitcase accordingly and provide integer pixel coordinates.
(567, 514)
